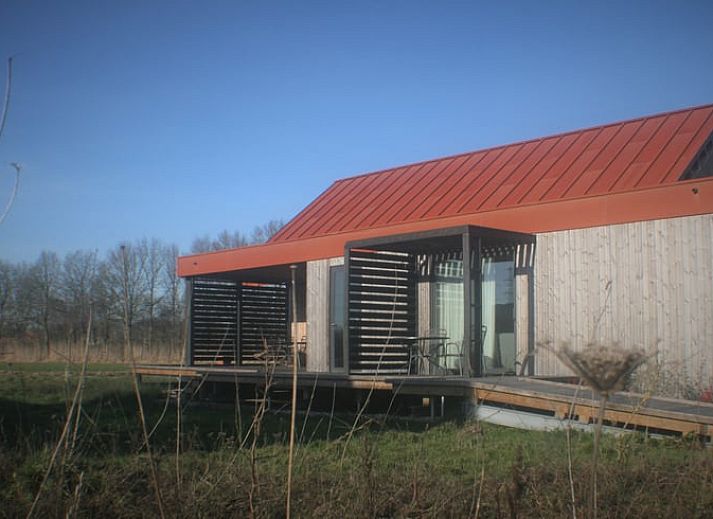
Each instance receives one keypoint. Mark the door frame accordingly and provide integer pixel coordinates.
(333, 314)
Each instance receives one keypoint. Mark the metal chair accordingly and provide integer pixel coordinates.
(451, 350)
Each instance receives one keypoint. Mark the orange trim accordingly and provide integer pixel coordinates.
(687, 198)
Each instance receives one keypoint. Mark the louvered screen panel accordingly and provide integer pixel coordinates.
(214, 321)
(263, 318)
(382, 311)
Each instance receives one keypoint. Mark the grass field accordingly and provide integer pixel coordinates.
(231, 465)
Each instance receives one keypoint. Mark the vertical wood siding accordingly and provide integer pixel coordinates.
(645, 284)
(521, 318)
(317, 355)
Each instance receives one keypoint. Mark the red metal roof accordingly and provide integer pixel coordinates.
(614, 158)
(623, 172)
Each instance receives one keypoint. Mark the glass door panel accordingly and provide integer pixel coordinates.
(447, 313)
(337, 313)
(498, 315)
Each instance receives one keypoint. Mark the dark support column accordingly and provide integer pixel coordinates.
(293, 310)
(239, 300)
(477, 308)
(472, 305)
(188, 315)
(467, 314)
(345, 331)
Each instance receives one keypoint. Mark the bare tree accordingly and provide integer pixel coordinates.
(233, 240)
(25, 308)
(135, 294)
(125, 274)
(46, 278)
(224, 240)
(173, 303)
(39, 303)
(263, 233)
(201, 244)
(228, 240)
(104, 311)
(153, 258)
(78, 283)
(7, 295)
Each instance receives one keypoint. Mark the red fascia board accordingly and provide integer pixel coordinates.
(686, 198)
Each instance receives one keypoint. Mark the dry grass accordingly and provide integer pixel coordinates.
(605, 369)
(389, 468)
(61, 351)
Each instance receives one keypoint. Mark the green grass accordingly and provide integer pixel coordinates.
(397, 468)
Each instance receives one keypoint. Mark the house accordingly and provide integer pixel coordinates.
(465, 266)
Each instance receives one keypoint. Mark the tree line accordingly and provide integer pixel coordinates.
(131, 293)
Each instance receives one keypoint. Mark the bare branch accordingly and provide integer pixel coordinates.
(3, 119)
(6, 102)
(15, 188)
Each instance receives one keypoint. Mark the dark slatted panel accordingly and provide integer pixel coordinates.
(263, 318)
(382, 311)
(214, 323)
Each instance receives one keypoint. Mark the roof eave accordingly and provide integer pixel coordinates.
(684, 198)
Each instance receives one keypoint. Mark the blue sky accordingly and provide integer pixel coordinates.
(174, 119)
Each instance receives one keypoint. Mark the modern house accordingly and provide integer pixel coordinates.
(465, 266)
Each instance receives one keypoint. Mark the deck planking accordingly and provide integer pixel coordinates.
(560, 400)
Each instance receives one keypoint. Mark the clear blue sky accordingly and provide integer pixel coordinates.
(175, 119)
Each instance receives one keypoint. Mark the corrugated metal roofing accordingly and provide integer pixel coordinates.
(615, 158)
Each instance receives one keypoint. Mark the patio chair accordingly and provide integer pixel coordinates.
(451, 350)
(426, 350)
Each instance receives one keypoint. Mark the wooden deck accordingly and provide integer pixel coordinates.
(557, 400)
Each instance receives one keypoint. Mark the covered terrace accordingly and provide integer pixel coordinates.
(414, 307)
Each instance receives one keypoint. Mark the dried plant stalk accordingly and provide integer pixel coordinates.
(605, 369)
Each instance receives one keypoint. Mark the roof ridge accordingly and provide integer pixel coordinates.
(526, 141)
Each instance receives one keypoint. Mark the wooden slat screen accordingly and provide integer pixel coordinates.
(263, 319)
(382, 310)
(214, 321)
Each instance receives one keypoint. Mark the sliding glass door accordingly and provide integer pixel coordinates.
(447, 312)
(497, 334)
(498, 314)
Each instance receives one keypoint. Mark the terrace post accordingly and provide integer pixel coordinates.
(472, 305)
(346, 347)
(188, 316)
(238, 360)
